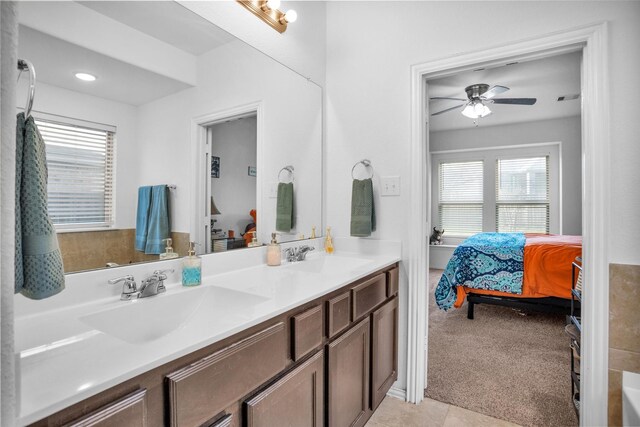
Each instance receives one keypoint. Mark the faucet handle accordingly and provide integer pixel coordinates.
(162, 274)
(129, 286)
(127, 278)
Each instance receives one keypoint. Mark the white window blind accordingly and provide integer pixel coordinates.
(80, 161)
(522, 195)
(461, 197)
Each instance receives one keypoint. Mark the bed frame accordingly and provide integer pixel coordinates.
(546, 305)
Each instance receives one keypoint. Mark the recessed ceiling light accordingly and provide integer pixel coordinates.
(85, 77)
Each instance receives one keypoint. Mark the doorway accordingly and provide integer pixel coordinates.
(516, 169)
(226, 156)
(592, 41)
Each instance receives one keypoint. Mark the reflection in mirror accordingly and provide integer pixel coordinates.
(176, 104)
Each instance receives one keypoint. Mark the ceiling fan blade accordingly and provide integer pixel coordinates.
(448, 109)
(444, 97)
(496, 90)
(515, 101)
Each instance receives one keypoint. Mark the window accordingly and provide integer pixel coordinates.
(80, 162)
(514, 189)
(522, 195)
(461, 197)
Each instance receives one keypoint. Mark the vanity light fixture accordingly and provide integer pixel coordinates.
(267, 11)
(85, 77)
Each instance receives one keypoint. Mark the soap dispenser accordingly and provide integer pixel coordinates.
(191, 267)
(168, 250)
(274, 255)
(328, 242)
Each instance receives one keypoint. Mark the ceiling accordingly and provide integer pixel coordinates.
(545, 79)
(167, 21)
(57, 60)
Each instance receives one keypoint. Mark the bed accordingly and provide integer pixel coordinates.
(527, 271)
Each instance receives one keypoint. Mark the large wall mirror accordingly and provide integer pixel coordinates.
(186, 132)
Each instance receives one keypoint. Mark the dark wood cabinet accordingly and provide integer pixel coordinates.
(130, 411)
(294, 400)
(384, 350)
(348, 377)
(306, 329)
(205, 388)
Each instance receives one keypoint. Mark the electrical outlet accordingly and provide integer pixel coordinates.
(390, 186)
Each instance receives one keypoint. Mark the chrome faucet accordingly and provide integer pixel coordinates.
(154, 284)
(298, 253)
(129, 287)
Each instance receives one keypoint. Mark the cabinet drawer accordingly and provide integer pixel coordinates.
(307, 332)
(367, 295)
(131, 410)
(338, 314)
(297, 399)
(225, 376)
(392, 282)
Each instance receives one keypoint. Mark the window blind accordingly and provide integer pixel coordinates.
(461, 197)
(80, 162)
(522, 195)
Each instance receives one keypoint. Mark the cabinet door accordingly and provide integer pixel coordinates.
(348, 377)
(295, 400)
(129, 411)
(384, 350)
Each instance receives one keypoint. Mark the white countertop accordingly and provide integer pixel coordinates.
(64, 360)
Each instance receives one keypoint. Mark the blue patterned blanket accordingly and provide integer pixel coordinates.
(492, 261)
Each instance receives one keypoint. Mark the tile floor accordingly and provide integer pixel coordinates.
(393, 412)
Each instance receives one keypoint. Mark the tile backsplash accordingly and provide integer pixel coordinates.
(624, 332)
(87, 250)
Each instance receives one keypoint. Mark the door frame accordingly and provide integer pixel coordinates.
(592, 40)
(200, 191)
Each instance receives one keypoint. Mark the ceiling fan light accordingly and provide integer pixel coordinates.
(485, 111)
(470, 111)
(478, 107)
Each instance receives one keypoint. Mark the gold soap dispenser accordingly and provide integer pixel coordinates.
(328, 242)
(274, 255)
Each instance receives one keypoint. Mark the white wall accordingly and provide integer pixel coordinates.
(231, 76)
(234, 192)
(370, 48)
(301, 47)
(62, 102)
(565, 130)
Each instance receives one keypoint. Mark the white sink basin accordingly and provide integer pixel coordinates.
(327, 264)
(148, 319)
(630, 399)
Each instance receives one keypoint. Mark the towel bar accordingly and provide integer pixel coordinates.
(289, 169)
(364, 162)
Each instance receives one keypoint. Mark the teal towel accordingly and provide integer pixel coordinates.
(363, 212)
(284, 211)
(152, 219)
(158, 223)
(142, 217)
(39, 269)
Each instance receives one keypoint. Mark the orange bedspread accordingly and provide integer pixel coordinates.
(547, 268)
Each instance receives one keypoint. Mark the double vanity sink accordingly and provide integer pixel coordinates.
(78, 349)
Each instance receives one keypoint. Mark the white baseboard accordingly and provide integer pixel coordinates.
(398, 393)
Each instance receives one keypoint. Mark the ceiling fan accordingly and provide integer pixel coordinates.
(478, 96)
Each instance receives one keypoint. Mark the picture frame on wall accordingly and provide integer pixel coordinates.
(215, 167)
(252, 171)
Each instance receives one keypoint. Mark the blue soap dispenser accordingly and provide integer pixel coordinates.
(191, 267)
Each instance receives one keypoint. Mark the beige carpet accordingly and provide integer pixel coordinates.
(503, 364)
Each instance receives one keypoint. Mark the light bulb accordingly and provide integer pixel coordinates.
(86, 77)
(478, 108)
(291, 16)
(273, 4)
(469, 111)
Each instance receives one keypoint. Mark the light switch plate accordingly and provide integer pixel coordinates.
(273, 190)
(390, 186)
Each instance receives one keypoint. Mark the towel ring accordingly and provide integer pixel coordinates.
(364, 162)
(289, 169)
(22, 66)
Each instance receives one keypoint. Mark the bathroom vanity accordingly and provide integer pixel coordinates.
(307, 343)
